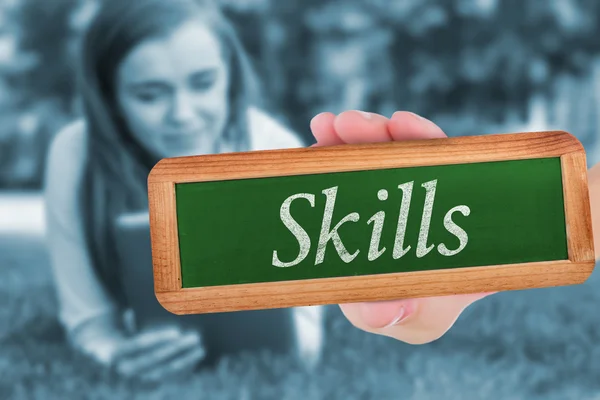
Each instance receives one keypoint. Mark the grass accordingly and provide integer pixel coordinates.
(541, 343)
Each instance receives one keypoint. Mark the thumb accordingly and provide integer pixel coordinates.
(414, 321)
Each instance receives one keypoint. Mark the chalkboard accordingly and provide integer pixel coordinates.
(323, 225)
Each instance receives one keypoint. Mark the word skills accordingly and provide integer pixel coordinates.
(329, 233)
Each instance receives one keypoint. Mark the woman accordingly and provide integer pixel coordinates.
(157, 79)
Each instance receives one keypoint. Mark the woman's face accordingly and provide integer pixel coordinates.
(172, 92)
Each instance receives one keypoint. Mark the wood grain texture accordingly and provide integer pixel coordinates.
(270, 163)
(164, 237)
(577, 207)
(375, 287)
(360, 157)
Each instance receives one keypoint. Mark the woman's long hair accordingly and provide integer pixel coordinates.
(117, 166)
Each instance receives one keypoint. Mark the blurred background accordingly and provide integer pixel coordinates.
(472, 66)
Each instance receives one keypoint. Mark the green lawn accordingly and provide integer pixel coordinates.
(518, 345)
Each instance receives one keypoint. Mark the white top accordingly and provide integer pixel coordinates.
(80, 295)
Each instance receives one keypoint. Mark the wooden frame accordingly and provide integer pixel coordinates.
(470, 149)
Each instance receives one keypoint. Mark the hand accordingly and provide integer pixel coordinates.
(149, 355)
(414, 321)
(158, 353)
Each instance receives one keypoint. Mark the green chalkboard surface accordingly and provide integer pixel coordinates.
(365, 222)
(511, 212)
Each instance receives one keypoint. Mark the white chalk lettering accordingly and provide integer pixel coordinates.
(376, 248)
(422, 248)
(399, 251)
(327, 234)
(295, 228)
(455, 230)
(377, 220)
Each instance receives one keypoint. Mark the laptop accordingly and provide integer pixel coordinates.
(226, 333)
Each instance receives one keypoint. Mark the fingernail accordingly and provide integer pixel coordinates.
(366, 115)
(412, 114)
(417, 116)
(403, 313)
(433, 130)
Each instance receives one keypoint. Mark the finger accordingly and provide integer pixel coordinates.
(146, 340)
(361, 127)
(159, 355)
(405, 125)
(177, 366)
(322, 128)
(414, 321)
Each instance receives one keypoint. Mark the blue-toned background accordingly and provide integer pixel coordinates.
(472, 66)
